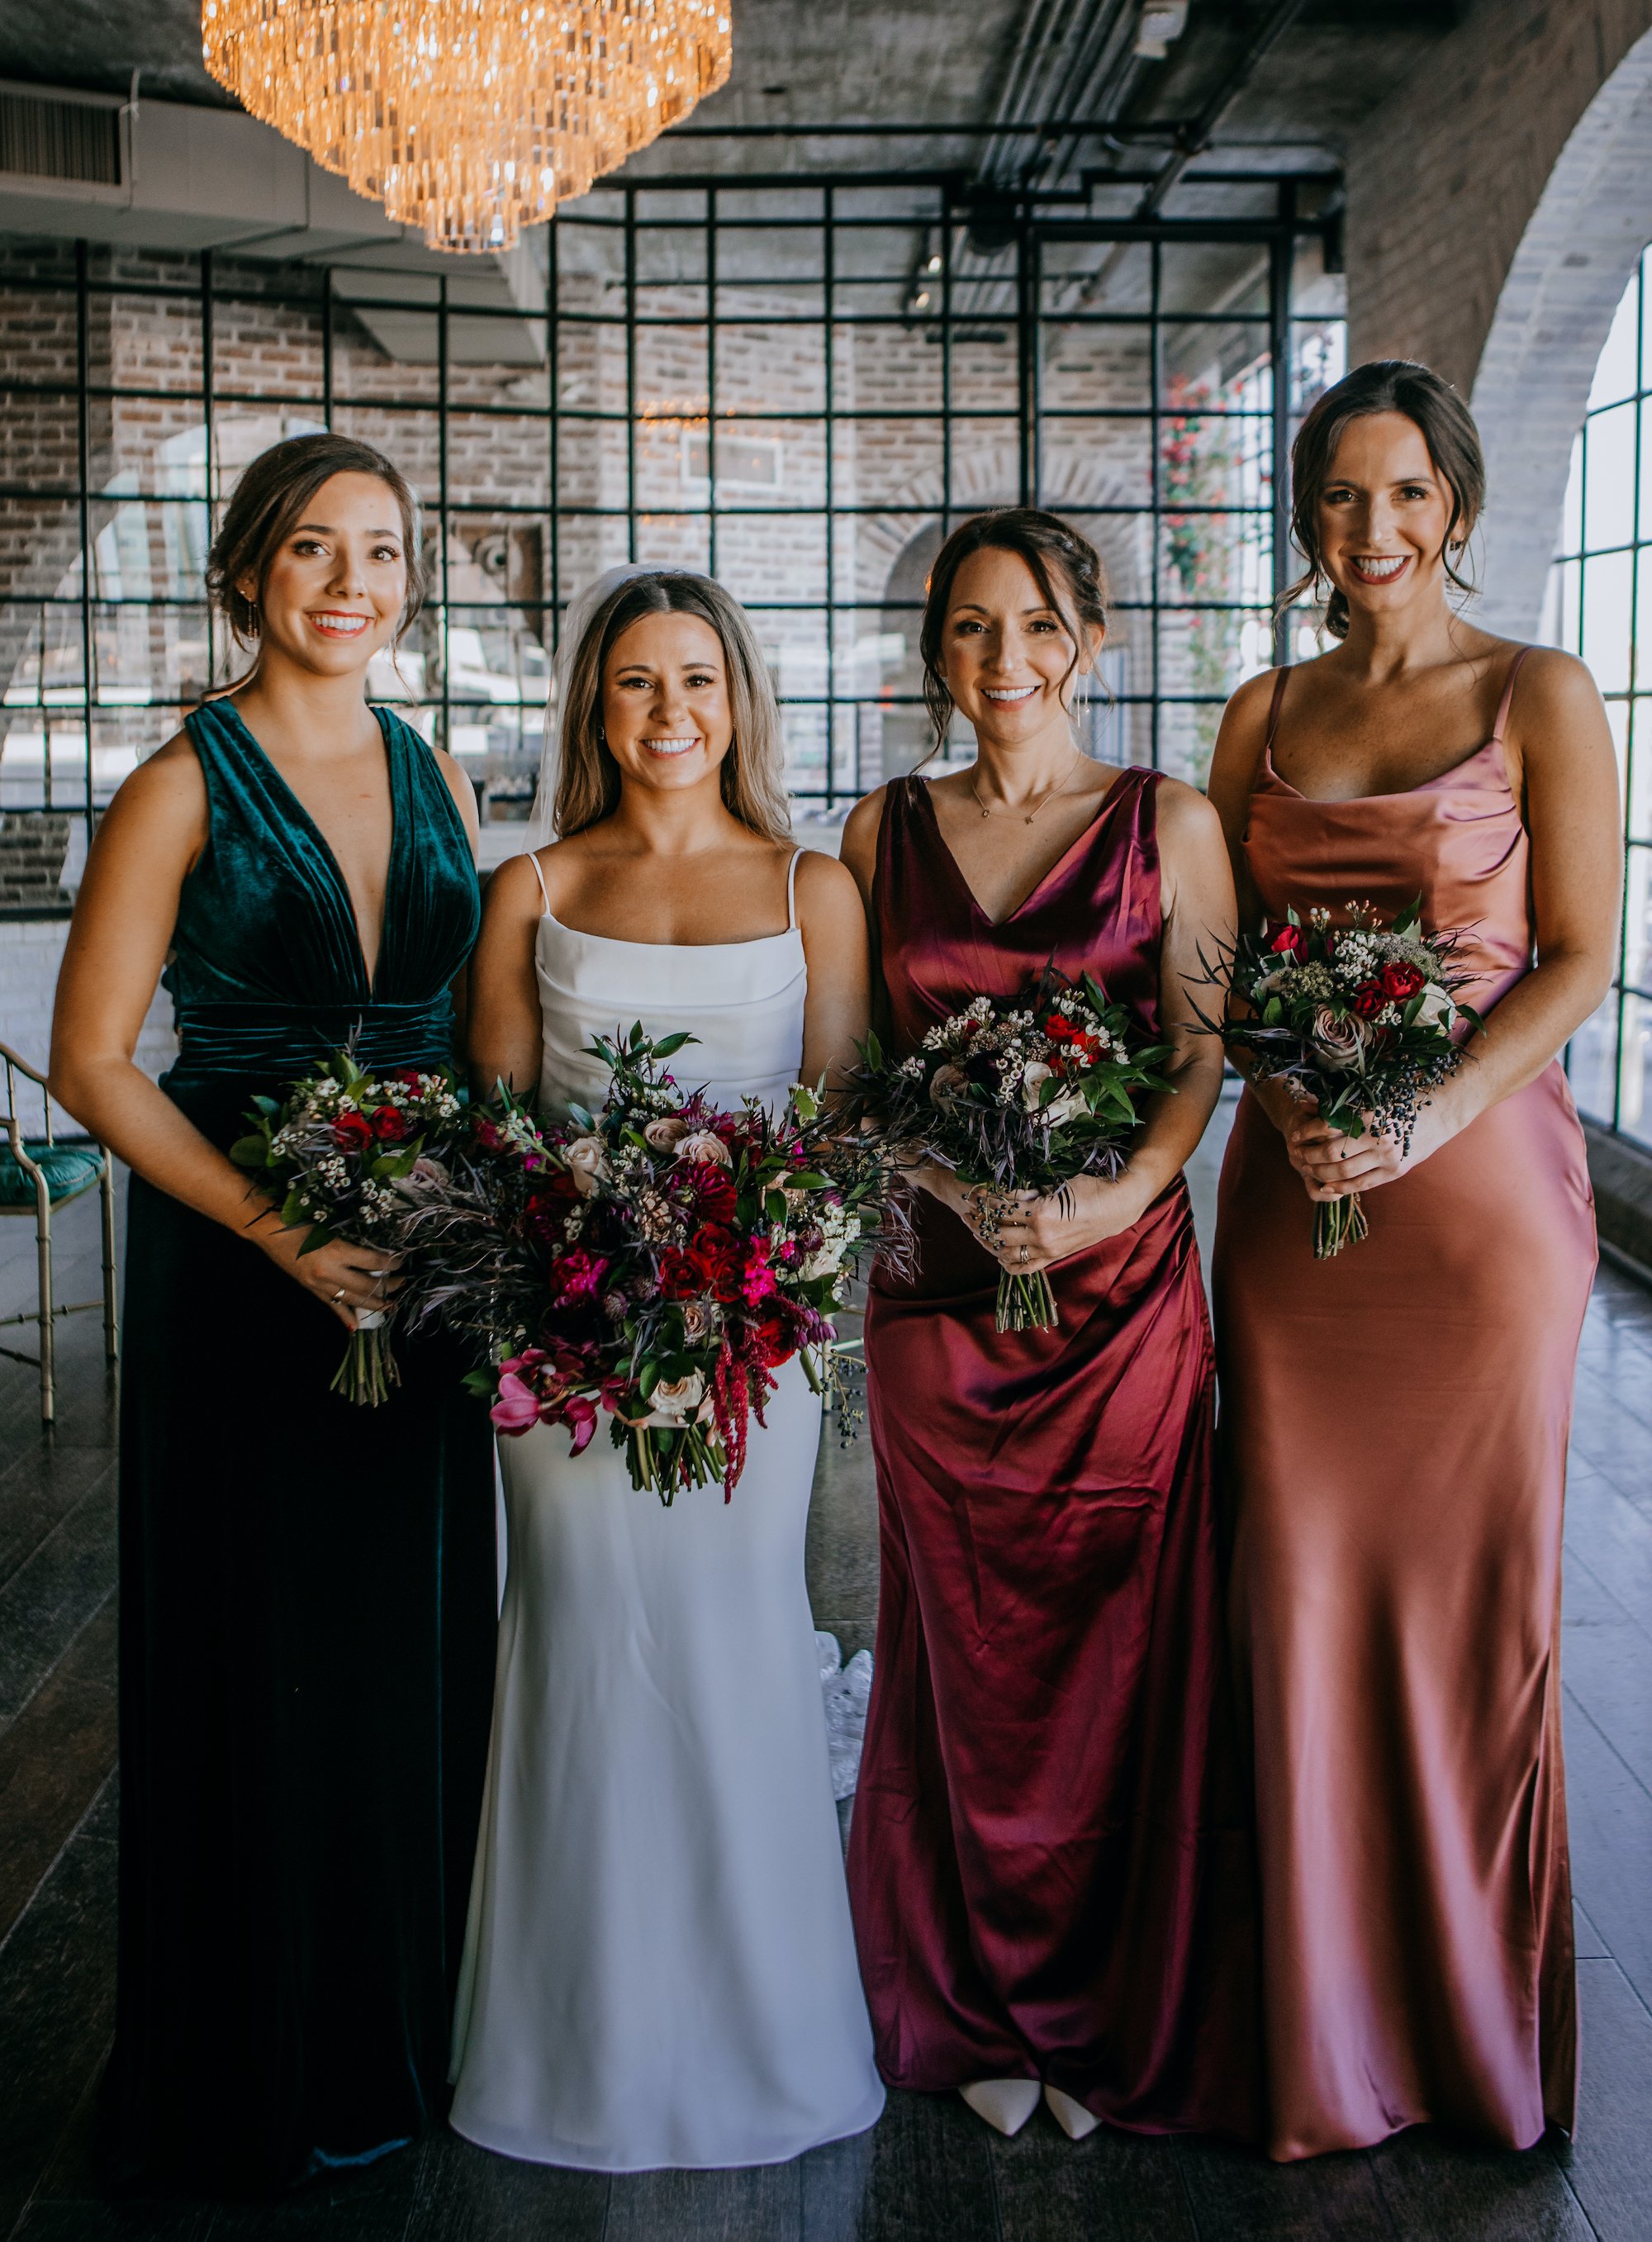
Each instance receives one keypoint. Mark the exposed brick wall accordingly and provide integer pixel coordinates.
(1444, 176)
(268, 346)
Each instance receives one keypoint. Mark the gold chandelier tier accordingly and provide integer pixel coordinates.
(470, 118)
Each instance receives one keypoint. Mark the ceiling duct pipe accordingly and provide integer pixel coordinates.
(1196, 137)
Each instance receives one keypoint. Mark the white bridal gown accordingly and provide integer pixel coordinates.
(659, 1967)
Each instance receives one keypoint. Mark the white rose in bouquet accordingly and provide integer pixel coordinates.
(587, 1164)
(674, 1398)
(705, 1145)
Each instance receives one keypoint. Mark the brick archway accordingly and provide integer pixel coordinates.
(1574, 260)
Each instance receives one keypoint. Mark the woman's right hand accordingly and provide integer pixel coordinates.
(1292, 1118)
(348, 1278)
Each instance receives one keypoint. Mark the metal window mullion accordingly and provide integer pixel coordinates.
(326, 344)
(1035, 369)
(631, 373)
(1155, 346)
(946, 363)
(711, 381)
(447, 740)
(209, 416)
(1026, 347)
(553, 367)
(829, 276)
(1281, 252)
(1621, 975)
(82, 431)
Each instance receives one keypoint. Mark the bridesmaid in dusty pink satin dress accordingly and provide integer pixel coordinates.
(1394, 1420)
(1051, 1860)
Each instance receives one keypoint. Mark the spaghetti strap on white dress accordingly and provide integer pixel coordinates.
(659, 1968)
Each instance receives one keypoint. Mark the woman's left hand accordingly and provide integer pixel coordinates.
(1334, 1165)
(1033, 1229)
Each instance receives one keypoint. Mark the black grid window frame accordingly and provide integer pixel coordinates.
(933, 207)
(1629, 1003)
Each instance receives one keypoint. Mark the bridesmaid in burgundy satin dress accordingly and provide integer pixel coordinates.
(1050, 1860)
(1394, 1420)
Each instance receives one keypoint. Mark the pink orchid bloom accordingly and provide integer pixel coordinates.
(517, 1406)
(579, 1414)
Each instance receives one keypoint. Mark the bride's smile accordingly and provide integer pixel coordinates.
(666, 713)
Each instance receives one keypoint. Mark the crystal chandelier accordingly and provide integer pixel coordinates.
(469, 118)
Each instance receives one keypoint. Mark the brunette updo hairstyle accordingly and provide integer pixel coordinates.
(1384, 384)
(753, 772)
(270, 500)
(1065, 567)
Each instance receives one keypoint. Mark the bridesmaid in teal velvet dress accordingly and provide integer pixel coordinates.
(307, 1590)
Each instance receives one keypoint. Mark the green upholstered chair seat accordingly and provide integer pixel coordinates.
(69, 1169)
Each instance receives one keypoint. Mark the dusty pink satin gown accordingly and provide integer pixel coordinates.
(1394, 1425)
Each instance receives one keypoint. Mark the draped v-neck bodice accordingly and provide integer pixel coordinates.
(268, 970)
(1096, 910)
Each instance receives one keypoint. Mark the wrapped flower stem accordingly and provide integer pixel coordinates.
(369, 1370)
(1337, 1223)
(1025, 1302)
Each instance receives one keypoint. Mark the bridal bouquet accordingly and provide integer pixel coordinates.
(350, 1154)
(1357, 1018)
(655, 1263)
(1014, 1094)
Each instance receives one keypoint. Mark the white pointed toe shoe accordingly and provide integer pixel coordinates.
(1005, 2104)
(1075, 2121)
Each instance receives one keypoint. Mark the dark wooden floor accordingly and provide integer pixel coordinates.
(930, 2173)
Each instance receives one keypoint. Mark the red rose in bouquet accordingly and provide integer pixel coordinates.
(654, 1264)
(352, 1155)
(1358, 1019)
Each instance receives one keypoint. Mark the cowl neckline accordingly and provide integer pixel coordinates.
(1453, 774)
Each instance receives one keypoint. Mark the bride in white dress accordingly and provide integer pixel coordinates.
(659, 1968)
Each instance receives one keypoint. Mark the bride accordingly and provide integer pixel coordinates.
(659, 1966)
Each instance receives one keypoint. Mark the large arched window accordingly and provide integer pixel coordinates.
(1600, 606)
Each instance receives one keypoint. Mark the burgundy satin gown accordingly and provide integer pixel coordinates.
(1395, 1426)
(1050, 1859)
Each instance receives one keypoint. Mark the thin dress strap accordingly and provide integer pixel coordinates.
(1508, 696)
(544, 894)
(1274, 710)
(791, 885)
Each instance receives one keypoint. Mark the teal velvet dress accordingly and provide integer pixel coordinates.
(308, 1593)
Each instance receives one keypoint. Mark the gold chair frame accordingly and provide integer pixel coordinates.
(47, 1312)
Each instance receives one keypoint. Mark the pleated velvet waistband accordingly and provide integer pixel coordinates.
(280, 1041)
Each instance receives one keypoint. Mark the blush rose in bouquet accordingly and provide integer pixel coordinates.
(655, 1263)
(1014, 1094)
(1358, 1018)
(348, 1154)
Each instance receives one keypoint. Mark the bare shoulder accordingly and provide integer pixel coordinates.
(1552, 685)
(513, 891)
(1243, 734)
(1185, 817)
(825, 884)
(459, 787)
(1247, 709)
(167, 790)
(860, 827)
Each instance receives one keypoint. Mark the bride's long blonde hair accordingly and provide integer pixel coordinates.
(587, 785)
